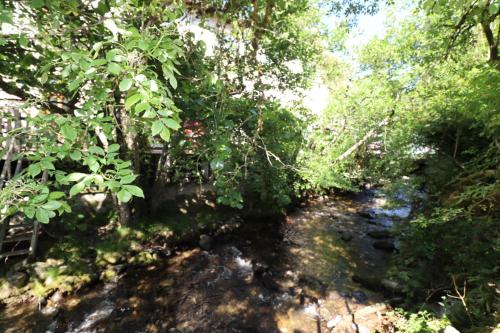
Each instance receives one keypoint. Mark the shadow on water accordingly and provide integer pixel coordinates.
(291, 276)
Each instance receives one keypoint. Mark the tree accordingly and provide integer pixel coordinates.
(457, 20)
(109, 80)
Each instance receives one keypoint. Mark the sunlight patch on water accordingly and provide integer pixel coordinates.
(401, 212)
(104, 310)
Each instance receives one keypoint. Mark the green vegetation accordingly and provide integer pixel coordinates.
(103, 84)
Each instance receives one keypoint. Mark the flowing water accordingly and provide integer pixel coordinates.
(267, 276)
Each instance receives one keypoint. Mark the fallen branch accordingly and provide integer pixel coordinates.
(365, 138)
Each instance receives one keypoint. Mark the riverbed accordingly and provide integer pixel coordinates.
(298, 274)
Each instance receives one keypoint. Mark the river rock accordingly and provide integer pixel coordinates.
(5, 292)
(18, 279)
(51, 310)
(112, 257)
(360, 328)
(44, 269)
(385, 244)
(359, 296)
(368, 282)
(18, 267)
(379, 233)
(371, 309)
(346, 237)
(333, 322)
(367, 214)
(391, 285)
(206, 242)
(57, 297)
(269, 283)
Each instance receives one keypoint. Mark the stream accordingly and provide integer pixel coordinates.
(305, 274)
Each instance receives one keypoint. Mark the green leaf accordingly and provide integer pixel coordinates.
(29, 211)
(165, 134)
(69, 132)
(125, 84)
(75, 84)
(98, 180)
(77, 188)
(56, 195)
(217, 164)
(93, 164)
(52, 205)
(171, 123)
(37, 3)
(96, 150)
(34, 169)
(173, 82)
(39, 198)
(130, 101)
(134, 190)
(153, 85)
(124, 196)
(99, 62)
(76, 176)
(115, 55)
(114, 68)
(142, 106)
(47, 165)
(75, 155)
(123, 165)
(113, 148)
(128, 179)
(149, 114)
(143, 44)
(157, 127)
(42, 215)
(23, 40)
(494, 7)
(44, 78)
(155, 101)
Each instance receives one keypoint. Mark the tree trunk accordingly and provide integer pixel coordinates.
(123, 138)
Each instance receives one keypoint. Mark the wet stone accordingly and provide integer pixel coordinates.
(206, 242)
(346, 237)
(367, 215)
(359, 296)
(18, 279)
